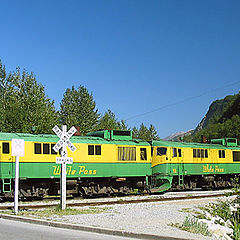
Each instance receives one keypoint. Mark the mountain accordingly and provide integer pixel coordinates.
(178, 135)
(216, 111)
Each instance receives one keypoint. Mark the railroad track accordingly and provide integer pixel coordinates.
(114, 202)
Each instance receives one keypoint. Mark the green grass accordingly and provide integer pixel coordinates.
(58, 212)
(193, 225)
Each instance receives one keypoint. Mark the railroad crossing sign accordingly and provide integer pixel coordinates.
(64, 138)
(63, 143)
(18, 147)
(17, 151)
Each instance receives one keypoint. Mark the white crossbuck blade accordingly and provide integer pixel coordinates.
(64, 138)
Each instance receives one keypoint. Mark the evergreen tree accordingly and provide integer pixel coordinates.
(24, 104)
(144, 133)
(110, 122)
(135, 132)
(153, 133)
(79, 109)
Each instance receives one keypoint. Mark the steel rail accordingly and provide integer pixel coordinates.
(81, 204)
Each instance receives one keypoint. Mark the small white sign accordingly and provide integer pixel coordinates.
(67, 160)
(18, 147)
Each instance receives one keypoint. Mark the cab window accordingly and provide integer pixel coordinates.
(161, 151)
(143, 153)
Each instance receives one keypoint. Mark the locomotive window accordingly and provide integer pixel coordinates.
(52, 151)
(198, 153)
(179, 152)
(37, 148)
(206, 153)
(90, 149)
(221, 153)
(143, 153)
(126, 153)
(194, 153)
(46, 149)
(236, 156)
(174, 152)
(94, 150)
(5, 148)
(98, 150)
(161, 151)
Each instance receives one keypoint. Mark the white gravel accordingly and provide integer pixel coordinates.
(148, 218)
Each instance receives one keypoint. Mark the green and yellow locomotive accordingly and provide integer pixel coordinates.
(111, 161)
(194, 165)
(104, 162)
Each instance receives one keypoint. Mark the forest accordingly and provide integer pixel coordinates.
(25, 108)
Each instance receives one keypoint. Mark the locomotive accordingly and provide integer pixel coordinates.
(112, 162)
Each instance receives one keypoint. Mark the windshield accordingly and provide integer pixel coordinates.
(161, 151)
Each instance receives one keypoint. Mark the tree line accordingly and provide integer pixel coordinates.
(26, 108)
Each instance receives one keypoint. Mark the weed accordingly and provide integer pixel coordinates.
(186, 210)
(193, 225)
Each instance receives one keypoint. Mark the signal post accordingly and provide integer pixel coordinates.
(63, 143)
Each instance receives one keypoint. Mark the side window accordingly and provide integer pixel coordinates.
(161, 151)
(221, 153)
(52, 151)
(143, 153)
(174, 152)
(127, 153)
(179, 152)
(236, 156)
(90, 149)
(200, 153)
(37, 148)
(94, 150)
(98, 150)
(5, 148)
(46, 149)
(206, 153)
(194, 153)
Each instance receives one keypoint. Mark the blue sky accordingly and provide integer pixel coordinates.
(134, 56)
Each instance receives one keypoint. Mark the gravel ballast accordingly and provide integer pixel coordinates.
(146, 218)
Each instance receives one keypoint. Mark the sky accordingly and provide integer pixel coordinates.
(160, 62)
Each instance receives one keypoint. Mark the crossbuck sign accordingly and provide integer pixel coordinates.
(64, 138)
(63, 143)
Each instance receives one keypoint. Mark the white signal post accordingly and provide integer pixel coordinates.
(17, 151)
(63, 143)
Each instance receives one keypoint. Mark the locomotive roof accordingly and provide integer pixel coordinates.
(190, 145)
(74, 139)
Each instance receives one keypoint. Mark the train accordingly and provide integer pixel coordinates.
(113, 162)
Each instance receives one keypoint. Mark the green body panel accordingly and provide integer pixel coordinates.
(53, 170)
(164, 173)
(175, 169)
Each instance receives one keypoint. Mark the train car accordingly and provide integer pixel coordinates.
(106, 161)
(180, 165)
